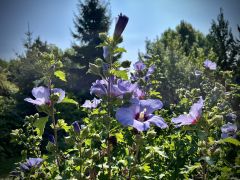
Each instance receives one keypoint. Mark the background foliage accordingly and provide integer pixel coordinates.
(178, 55)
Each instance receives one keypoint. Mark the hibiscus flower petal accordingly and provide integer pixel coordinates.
(87, 104)
(150, 105)
(158, 121)
(141, 126)
(41, 92)
(39, 101)
(61, 94)
(184, 119)
(125, 115)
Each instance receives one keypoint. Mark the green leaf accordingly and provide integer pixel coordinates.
(94, 69)
(230, 140)
(119, 137)
(120, 74)
(126, 64)
(61, 75)
(61, 124)
(146, 167)
(40, 124)
(70, 101)
(157, 150)
(119, 50)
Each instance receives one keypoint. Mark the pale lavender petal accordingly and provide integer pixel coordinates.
(224, 135)
(139, 66)
(41, 92)
(60, 92)
(99, 88)
(39, 101)
(126, 115)
(95, 102)
(87, 104)
(158, 121)
(141, 126)
(184, 119)
(150, 105)
(196, 108)
(138, 93)
(211, 65)
(229, 128)
(126, 86)
(151, 70)
(115, 91)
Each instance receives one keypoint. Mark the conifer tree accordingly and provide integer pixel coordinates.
(93, 18)
(222, 41)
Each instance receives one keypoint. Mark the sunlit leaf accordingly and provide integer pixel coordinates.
(120, 74)
(70, 101)
(61, 75)
(40, 124)
(119, 137)
(119, 50)
(230, 140)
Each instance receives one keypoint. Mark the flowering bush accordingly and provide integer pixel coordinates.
(128, 133)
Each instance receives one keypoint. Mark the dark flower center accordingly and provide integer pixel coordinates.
(141, 116)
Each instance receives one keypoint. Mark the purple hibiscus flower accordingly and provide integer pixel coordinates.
(126, 86)
(151, 70)
(120, 26)
(100, 87)
(228, 130)
(192, 117)
(210, 65)
(42, 95)
(31, 163)
(138, 93)
(139, 66)
(91, 104)
(139, 114)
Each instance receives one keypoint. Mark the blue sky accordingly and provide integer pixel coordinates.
(52, 20)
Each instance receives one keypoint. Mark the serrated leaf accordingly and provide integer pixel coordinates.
(61, 75)
(146, 167)
(88, 142)
(61, 124)
(40, 124)
(120, 74)
(119, 50)
(119, 137)
(70, 101)
(231, 140)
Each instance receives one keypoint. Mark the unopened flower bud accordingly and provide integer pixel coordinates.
(76, 127)
(105, 52)
(120, 26)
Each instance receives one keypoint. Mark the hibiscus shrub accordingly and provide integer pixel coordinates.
(127, 132)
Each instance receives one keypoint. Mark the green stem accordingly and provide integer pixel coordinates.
(55, 133)
(132, 171)
(54, 125)
(80, 154)
(109, 153)
(109, 123)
